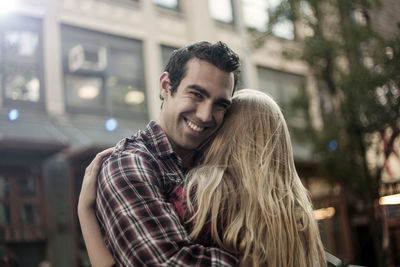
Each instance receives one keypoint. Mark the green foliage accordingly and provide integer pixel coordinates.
(358, 75)
(358, 72)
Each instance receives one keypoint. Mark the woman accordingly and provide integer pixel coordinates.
(245, 196)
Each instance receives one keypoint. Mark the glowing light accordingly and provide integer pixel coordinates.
(111, 124)
(325, 213)
(13, 114)
(33, 89)
(88, 92)
(390, 200)
(134, 97)
(6, 6)
(332, 145)
(389, 52)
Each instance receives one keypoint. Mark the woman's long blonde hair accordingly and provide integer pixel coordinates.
(247, 190)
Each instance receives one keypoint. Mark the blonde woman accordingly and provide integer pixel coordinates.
(244, 197)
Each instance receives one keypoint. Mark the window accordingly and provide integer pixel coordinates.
(20, 202)
(128, 2)
(169, 4)
(283, 87)
(4, 203)
(103, 74)
(22, 213)
(221, 10)
(21, 65)
(166, 52)
(29, 214)
(255, 14)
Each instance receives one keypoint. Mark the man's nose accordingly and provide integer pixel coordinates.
(204, 112)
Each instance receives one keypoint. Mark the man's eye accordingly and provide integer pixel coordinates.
(221, 107)
(197, 95)
(224, 107)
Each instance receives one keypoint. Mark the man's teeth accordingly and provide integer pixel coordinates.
(194, 127)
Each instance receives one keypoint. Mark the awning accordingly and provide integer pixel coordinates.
(35, 136)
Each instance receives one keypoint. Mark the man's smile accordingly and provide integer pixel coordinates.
(194, 126)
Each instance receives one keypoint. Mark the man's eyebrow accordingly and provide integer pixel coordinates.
(199, 89)
(223, 101)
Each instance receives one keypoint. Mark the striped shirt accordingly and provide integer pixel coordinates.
(139, 223)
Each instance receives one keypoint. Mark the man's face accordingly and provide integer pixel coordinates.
(197, 108)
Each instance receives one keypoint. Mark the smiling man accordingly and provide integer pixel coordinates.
(140, 225)
(195, 110)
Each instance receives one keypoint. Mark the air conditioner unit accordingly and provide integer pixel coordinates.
(84, 57)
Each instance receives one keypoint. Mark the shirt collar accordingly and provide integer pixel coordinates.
(158, 141)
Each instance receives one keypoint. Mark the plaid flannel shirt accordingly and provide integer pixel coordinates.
(133, 205)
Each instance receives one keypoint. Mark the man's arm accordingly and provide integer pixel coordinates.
(141, 226)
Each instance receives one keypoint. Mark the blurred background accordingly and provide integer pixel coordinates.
(76, 76)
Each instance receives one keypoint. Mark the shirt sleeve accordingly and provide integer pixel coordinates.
(140, 225)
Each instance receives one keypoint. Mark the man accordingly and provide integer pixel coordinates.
(139, 223)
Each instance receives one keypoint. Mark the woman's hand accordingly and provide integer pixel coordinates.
(87, 197)
(98, 253)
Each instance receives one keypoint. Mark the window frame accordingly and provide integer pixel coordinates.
(163, 48)
(231, 23)
(106, 106)
(175, 9)
(20, 23)
(282, 97)
(266, 29)
(27, 231)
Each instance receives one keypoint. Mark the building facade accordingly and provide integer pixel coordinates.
(76, 76)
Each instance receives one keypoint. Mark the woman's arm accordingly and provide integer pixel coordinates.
(99, 255)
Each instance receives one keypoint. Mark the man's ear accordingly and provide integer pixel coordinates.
(164, 85)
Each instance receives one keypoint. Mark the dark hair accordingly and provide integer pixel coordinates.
(218, 54)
